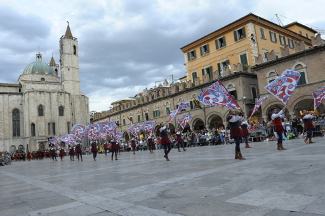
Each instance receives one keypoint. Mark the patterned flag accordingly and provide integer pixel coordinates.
(184, 120)
(79, 131)
(135, 129)
(148, 126)
(106, 126)
(112, 133)
(69, 139)
(119, 135)
(172, 115)
(258, 103)
(54, 141)
(183, 105)
(93, 131)
(216, 95)
(319, 96)
(282, 87)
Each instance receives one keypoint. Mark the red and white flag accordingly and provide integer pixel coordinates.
(319, 96)
(258, 103)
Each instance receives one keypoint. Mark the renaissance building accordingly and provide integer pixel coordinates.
(44, 103)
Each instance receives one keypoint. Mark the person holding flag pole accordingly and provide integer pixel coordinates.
(276, 116)
(235, 131)
(165, 140)
(308, 124)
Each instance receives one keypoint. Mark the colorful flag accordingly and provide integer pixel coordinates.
(184, 120)
(148, 126)
(183, 105)
(106, 126)
(135, 129)
(258, 103)
(79, 131)
(217, 95)
(69, 139)
(112, 133)
(172, 115)
(319, 96)
(118, 135)
(93, 131)
(55, 141)
(282, 87)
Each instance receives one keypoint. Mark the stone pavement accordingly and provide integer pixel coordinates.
(201, 181)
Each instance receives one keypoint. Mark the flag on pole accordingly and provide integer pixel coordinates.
(69, 139)
(283, 87)
(135, 129)
(172, 115)
(148, 126)
(319, 96)
(93, 131)
(258, 103)
(106, 126)
(184, 120)
(55, 141)
(217, 95)
(183, 105)
(79, 131)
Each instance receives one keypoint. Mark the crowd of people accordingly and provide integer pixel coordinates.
(237, 131)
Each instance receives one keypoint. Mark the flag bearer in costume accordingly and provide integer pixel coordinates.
(278, 126)
(151, 144)
(28, 156)
(133, 145)
(52, 151)
(114, 148)
(244, 126)
(94, 149)
(71, 153)
(308, 123)
(105, 148)
(62, 153)
(79, 151)
(180, 141)
(165, 140)
(235, 131)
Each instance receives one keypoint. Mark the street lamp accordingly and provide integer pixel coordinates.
(244, 99)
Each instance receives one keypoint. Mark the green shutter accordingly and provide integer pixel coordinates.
(194, 53)
(271, 36)
(201, 51)
(191, 105)
(217, 45)
(235, 94)
(211, 72)
(194, 76)
(302, 79)
(275, 37)
(202, 72)
(208, 48)
(284, 40)
(244, 31)
(262, 33)
(228, 62)
(235, 36)
(219, 68)
(243, 59)
(189, 56)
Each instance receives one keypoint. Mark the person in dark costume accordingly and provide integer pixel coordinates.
(62, 153)
(235, 131)
(114, 148)
(180, 141)
(71, 153)
(94, 149)
(244, 126)
(133, 145)
(308, 124)
(165, 140)
(79, 151)
(151, 144)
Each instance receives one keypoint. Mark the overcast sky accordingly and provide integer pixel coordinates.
(126, 45)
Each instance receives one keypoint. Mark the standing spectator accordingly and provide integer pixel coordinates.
(294, 125)
(308, 125)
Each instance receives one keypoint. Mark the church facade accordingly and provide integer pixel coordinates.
(43, 104)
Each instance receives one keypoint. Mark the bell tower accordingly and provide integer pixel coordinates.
(69, 61)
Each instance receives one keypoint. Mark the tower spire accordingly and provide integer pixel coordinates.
(68, 33)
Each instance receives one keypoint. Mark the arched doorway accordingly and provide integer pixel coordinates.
(171, 128)
(126, 136)
(198, 124)
(12, 148)
(307, 104)
(41, 146)
(215, 122)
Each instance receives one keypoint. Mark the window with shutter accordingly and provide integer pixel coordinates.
(302, 79)
(243, 59)
(191, 105)
(139, 118)
(167, 110)
(240, 34)
(194, 75)
(262, 33)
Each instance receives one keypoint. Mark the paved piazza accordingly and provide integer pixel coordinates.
(200, 181)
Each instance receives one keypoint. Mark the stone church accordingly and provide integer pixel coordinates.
(44, 103)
